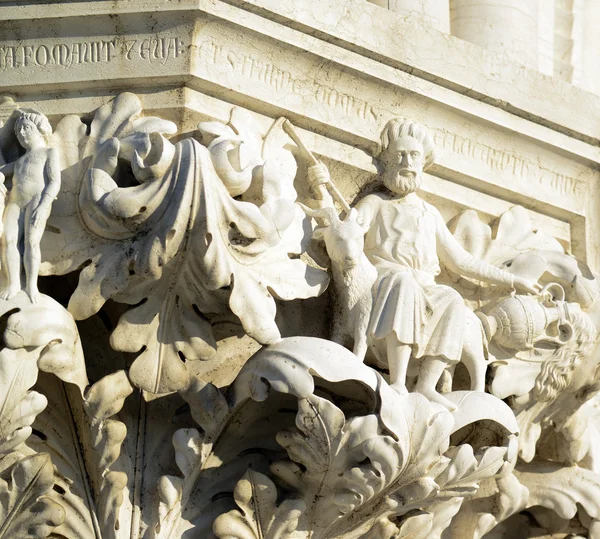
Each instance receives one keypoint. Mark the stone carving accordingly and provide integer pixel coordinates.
(353, 276)
(548, 369)
(522, 322)
(342, 474)
(309, 441)
(177, 245)
(35, 184)
(413, 317)
(43, 493)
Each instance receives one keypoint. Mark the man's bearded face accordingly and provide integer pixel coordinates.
(403, 162)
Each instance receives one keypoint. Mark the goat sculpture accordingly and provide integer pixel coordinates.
(353, 275)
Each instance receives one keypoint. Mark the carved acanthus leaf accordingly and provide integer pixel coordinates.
(189, 457)
(564, 490)
(192, 450)
(84, 440)
(260, 517)
(18, 373)
(516, 244)
(103, 401)
(582, 435)
(353, 473)
(25, 509)
(175, 244)
(430, 524)
(561, 488)
(467, 468)
(41, 336)
(460, 479)
(325, 446)
(42, 339)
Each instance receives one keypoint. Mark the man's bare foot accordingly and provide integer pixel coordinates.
(9, 293)
(438, 398)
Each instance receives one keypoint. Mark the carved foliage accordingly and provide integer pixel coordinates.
(342, 474)
(163, 233)
(308, 442)
(260, 517)
(25, 509)
(45, 487)
(551, 386)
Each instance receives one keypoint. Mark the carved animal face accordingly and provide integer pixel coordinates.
(559, 372)
(345, 240)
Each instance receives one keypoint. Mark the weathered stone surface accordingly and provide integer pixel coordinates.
(311, 269)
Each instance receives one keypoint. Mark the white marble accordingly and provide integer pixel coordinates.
(432, 12)
(590, 45)
(26, 207)
(311, 270)
(506, 26)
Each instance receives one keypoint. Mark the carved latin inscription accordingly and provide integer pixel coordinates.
(157, 49)
(284, 82)
(62, 54)
(509, 163)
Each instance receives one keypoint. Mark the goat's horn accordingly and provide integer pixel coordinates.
(328, 214)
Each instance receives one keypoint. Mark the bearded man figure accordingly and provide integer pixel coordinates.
(414, 319)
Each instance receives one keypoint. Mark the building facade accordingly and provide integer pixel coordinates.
(316, 269)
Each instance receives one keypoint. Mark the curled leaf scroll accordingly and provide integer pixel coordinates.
(164, 233)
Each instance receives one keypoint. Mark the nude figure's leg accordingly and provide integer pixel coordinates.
(431, 372)
(398, 356)
(11, 258)
(32, 256)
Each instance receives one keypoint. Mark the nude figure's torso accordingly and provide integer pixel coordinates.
(29, 177)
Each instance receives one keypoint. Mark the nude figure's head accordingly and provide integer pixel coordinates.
(407, 149)
(32, 129)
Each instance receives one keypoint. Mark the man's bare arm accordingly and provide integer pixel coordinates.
(53, 170)
(458, 260)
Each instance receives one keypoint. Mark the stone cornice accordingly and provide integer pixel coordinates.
(371, 32)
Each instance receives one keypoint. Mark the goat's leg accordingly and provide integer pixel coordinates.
(360, 336)
(340, 318)
(360, 318)
(338, 329)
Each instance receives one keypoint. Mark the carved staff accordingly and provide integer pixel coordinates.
(333, 190)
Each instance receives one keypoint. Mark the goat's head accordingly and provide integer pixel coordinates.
(344, 239)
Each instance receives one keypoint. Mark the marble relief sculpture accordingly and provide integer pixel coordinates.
(413, 318)
(373, 433)
(35, 184)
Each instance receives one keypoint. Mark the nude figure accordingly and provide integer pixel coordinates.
(35, 184)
